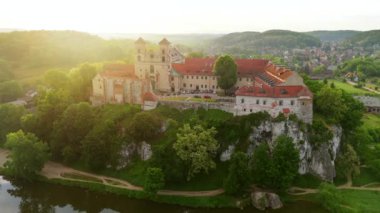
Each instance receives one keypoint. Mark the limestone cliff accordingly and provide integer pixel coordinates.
(317, 160)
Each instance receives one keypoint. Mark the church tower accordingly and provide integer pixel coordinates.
(140, 48)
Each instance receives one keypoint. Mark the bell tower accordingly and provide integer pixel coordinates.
(140, 48)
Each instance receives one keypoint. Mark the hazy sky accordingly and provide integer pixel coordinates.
(189, 16)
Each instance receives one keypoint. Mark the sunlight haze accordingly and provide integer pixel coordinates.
(170, 16)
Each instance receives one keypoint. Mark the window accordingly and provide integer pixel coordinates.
(250, 110)
(205, 86)
(206, 77)
(257, 101)
(239, 79)
(247, 79)
(172, 78)
(303, 103)
(138, 58)
(264, 102)
(283, 91)
(213, 78)
(201, 85)
(187, 77)
(163, 51)
(163, 58)
(292, 102)
(280, 103)
(242, 101)
(184, 84)
(213, 86)
(201, 77)
(151, 69)
(244, 109)
(197, 77)
(151, 56)
(192, 77)
(191, 85)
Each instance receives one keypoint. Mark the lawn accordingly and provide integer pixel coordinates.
(361, 200)
(365, 177)
(349, 88)
(371, 121)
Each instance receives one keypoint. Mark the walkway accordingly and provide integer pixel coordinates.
(55, 170)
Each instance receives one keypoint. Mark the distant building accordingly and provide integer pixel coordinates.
(372, 104)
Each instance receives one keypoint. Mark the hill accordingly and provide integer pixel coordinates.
(339, 35)
(28, 54)
(367, 39)
(258, 43)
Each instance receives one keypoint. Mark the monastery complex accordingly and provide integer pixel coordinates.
(261, 85)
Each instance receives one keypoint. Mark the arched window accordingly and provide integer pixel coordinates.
(163, 58)
(138, 58)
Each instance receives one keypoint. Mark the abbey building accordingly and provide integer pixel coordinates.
(261, 85)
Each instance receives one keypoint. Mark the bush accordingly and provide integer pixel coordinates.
(154, 180)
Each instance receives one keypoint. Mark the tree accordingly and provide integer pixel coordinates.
(81, 81)
(56, 79)
(279, 170)
(238, 174)
(5, 71)
(197, 147)
(101, 146)
(70, 129)
(10, 119)
(154, 180)
(145, 126)
(348, 163)
(225, 69)
(28, 154)
(261, 165)
(319, 69)
(330, 103)
(285, 162)
(10, 91)
(330, 197)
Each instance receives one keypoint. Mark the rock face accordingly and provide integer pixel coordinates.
(264, 200)
(226, 155)
(315, 160)
(145, 151)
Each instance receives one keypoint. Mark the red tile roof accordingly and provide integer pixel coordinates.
(148, 96)
(119, 70)
(275, 92)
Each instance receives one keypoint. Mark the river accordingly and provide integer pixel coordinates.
(37, 197)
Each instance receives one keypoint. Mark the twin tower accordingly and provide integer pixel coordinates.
(154, 63)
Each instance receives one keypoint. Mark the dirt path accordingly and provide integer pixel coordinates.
(56, 170)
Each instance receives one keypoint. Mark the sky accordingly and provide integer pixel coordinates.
(189, 16)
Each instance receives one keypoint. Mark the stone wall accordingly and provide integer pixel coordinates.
(181, 105)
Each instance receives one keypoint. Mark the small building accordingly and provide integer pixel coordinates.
(372, 104)
(150, 101)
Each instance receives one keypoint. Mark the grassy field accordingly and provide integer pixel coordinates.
(371, 121)
(361, 200)
(349, 88)
(365, 177)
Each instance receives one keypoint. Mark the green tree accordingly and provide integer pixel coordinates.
(101, 146)
(197, 147)
(285, 162)
(81, 81)
(145, 125)
(10, 91)
(154, 180)
(238, 178)
(10, 119)
(70, 129)
(56, 79)
(348, 163)
(28, 155)
(330, 103)
(5, 71)
(261, 165)
(330, 197)
(225, 69)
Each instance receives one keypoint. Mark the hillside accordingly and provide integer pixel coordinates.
(257, 43)
(24, 51)
(339, 35)
(367, 39)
